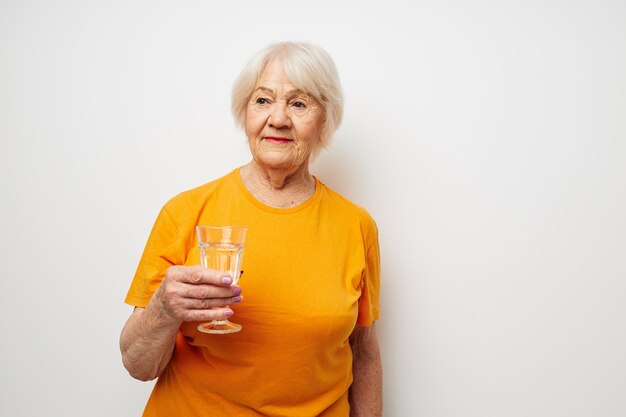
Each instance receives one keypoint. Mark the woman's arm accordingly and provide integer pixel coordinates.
(185, 294)
(147, 342)
(366, 395)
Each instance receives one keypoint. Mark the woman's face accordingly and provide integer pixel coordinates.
(283, 124)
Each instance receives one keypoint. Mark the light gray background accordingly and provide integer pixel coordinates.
(488, 139)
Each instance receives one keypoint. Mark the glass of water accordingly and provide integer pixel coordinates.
(221, 248)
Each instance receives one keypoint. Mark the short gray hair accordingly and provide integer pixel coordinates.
(309, 67)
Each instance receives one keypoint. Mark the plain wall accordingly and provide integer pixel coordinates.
(487, 138)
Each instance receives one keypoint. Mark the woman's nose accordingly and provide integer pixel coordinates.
(279, 117)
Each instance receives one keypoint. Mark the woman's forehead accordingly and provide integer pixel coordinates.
(281, 89)
(274, 80)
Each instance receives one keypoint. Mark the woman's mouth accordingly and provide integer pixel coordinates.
(277, 140)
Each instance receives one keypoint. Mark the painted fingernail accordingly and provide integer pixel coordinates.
(228, 313)
(227, 280)
(237, 299)
(237, 290)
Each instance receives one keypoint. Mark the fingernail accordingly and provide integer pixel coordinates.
(228, 313)
(237, 290)
(237, 299)
(227, 280)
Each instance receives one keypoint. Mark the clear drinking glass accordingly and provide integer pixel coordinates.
(221, 248)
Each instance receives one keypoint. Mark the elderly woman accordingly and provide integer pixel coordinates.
(308, 346)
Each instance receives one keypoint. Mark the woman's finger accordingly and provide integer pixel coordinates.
(206, 303)
(198, 275)
(207, 315)
(203, 291)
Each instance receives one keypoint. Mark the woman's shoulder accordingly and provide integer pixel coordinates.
(342, 201)
(342, 206)
(199, 195)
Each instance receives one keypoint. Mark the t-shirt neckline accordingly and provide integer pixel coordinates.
(277, 210)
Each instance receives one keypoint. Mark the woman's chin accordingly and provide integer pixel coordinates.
(277, 160)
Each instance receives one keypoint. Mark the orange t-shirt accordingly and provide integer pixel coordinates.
(311, 274)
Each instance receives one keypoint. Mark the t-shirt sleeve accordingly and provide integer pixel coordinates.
(369, 302)
(162, 250)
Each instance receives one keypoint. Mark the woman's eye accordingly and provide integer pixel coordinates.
(261, 100)
(299, 104)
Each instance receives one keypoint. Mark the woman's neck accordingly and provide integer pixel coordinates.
(278, 187)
